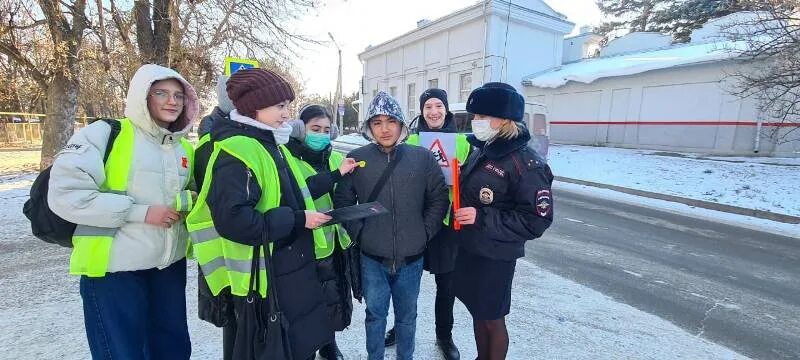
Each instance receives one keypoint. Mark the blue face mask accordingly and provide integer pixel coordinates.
(317, 141)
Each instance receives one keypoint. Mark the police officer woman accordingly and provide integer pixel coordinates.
(254, 193)
(505, 201)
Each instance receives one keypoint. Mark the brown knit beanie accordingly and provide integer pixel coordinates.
(255, 89)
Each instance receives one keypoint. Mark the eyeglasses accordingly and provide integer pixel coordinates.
(163, 95)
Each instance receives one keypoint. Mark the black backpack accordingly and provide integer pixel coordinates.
(45, 224)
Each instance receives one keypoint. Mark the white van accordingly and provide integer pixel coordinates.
(535, 119)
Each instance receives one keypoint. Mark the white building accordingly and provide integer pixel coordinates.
(493, 40)
(643, 92)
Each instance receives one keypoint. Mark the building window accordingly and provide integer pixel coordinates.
(412, 96)
(393, 91)
(464, 87)
(374, 93)
(433, 84)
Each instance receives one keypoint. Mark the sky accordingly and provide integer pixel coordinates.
(356, 24)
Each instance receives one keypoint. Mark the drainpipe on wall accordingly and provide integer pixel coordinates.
(485, 41)
(757, 145)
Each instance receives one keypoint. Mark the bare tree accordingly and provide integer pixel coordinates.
(54, 45)
(153, 33)
(771, 71)
(65, 23)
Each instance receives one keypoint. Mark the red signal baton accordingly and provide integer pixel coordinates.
(456, 194)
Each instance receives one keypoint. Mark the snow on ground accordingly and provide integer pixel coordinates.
(760, 183)
(17, 161)
(551, 317)
(748, 222)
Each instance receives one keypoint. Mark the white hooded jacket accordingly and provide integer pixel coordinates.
(156, 175)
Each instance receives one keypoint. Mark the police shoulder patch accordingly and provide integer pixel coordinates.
(544, 203)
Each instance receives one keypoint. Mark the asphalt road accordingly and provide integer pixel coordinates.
(736, 287)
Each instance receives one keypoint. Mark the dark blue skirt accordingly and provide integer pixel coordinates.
(483, 285)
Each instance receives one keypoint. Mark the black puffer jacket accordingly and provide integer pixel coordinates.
(217, 310)
(232, 202)
(333, 271)
(509, 185)
(208, 121)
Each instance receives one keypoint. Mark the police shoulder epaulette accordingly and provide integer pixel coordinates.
(532, 160)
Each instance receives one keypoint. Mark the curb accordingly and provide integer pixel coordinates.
(761, 214)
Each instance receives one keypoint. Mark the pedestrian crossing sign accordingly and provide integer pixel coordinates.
(233, 64)
(439, 154)
(443, 148)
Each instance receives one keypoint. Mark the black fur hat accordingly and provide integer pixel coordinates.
(497, 99)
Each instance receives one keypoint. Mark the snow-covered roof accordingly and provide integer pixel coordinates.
(636, 53)
(589, 70)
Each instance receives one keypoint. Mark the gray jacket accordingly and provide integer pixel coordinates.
(415, 195)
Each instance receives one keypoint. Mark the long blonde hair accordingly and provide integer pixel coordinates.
(509, 130)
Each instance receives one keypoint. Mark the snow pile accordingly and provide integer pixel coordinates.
(755, 183)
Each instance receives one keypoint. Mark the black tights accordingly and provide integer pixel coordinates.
(491, 338)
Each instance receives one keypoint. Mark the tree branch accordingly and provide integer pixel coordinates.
(13, 52)
(122, 28)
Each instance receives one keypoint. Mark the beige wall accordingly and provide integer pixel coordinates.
(443, 56)
(621, 111)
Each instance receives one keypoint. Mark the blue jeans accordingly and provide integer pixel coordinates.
(137, 314)
(403, 289)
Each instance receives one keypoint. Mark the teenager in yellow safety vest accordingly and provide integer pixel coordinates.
(130, 241)
(217, 310)
(440, 254)
(310, 144)
(254, 193)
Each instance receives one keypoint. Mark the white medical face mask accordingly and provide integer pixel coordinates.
(483, 131)
(282, 133)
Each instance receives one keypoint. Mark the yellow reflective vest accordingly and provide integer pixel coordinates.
(224, 262)
(92, 245)
(325, 203)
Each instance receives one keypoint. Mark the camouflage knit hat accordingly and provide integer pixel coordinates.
(384, 104)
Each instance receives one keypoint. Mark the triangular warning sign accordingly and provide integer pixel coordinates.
(439, 154)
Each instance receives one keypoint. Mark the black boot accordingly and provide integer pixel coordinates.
(448, 348)
(390, 339)
(331, 352)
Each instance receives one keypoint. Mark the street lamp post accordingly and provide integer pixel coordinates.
(339, 102)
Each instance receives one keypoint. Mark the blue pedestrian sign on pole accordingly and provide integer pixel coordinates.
(233, 64)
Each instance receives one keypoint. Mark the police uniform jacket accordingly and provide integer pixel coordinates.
(509, 185)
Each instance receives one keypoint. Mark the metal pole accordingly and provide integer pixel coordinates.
(338, 99)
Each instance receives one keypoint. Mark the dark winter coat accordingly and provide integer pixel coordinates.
(415, 195)
(440, 255)
(207, 121)
(217, 310)
(509, 185)
(333, 271)
(232, 202)
(203, 153)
